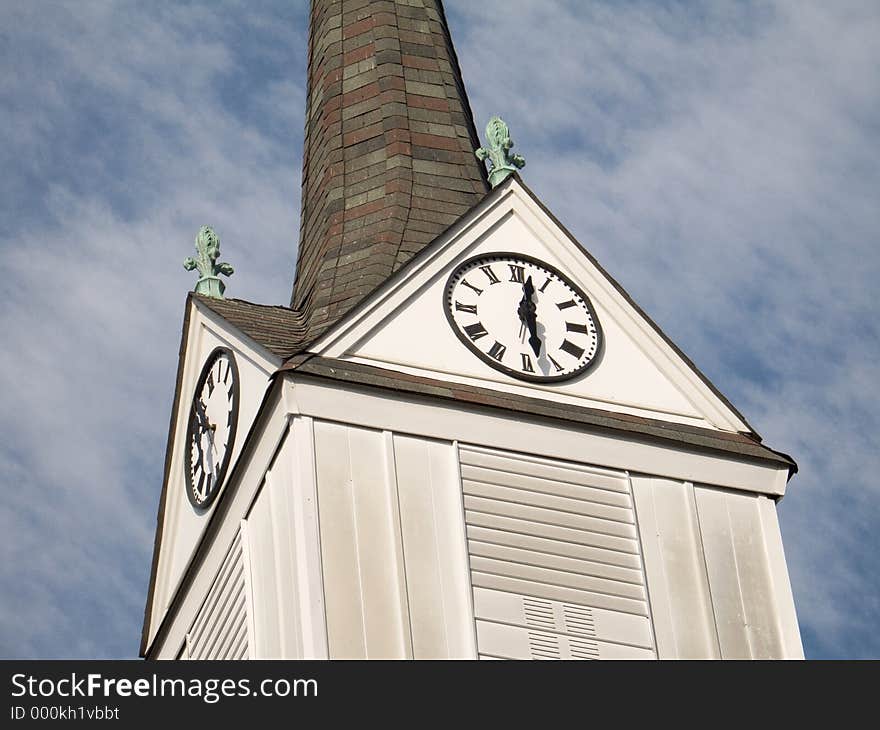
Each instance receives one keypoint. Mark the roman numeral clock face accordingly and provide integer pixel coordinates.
(523, 317)
(211, 431)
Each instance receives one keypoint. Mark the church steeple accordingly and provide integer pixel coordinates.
(388, 160)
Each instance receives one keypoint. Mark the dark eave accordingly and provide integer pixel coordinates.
(680, 435)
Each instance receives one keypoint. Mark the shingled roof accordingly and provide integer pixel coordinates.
(389, 161)
(281, 330)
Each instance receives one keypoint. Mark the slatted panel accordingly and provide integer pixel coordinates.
(555, 559)
(220, 630)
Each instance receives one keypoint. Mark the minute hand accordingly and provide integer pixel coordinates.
(527, 312)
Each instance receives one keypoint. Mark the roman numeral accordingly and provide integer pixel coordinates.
(497, 351)
(464, 282)
(476, 331)
(469, 308)
(545, 285)
(210, 383)
(517, 273)
(566, 305)
(558, 367)
(527, 363)
(487, 270)
(572, 327)
(572, 349)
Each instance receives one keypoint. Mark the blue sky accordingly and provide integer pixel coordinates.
(720, 159)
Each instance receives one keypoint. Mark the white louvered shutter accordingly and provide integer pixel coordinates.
(555, 559)
(220, 629)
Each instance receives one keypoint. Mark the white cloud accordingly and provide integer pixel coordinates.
(130, 127)
(719, 159)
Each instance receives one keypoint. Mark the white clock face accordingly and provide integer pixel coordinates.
(212, 424)
(522, 317)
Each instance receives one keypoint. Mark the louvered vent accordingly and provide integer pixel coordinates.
(220, 630)
(555, 559)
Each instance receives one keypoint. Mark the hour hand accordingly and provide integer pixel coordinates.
(534, 340)
(527, 312)
(202, 417)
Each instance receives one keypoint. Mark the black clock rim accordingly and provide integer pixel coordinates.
(216, 353)
(494, 364)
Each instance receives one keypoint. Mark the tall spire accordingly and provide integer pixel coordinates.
(389, 156)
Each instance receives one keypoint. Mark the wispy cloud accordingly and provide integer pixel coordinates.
(719, 159)
(126, 127)
(722, 161)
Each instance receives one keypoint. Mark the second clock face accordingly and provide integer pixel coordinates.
(523, 317)
(212, 423)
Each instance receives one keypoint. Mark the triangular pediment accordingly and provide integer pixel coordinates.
(403, 326)
(181, 525)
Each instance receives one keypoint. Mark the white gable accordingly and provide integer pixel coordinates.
(403, 326)
(182, 525)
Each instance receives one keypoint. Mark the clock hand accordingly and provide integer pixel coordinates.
(527, 312)
(522, 311)
(201, 415)
(206, 455)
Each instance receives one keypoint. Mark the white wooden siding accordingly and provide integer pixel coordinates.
(434, 548)
(684, 623)
(555, 559)
(280, 533)
(361, 545)
(221, 627)
(716, 572)
(392, 544)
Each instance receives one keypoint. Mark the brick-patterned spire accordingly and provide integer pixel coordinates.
(389, 148)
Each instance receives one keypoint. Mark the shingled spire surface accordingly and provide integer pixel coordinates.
(389, 157)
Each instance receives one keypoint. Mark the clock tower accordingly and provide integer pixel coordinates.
(462, 438)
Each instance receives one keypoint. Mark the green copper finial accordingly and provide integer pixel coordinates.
(208, 248)
(498, 152)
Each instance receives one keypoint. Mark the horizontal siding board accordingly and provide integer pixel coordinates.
(552, 547)
(219, 630)
(560, 578)
(555, 562)
(221, 624)
(240, 651)
(557, 593)
(233, 622)
(210, 615)
(221, 618)
(233, 646)
(551, 517)
(545, 469)
(554, 532)
(540, 498)
(612, 498)
(219, 589)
